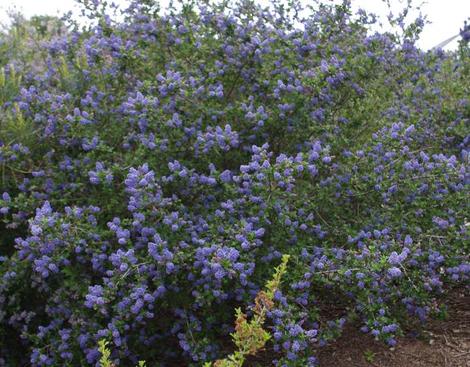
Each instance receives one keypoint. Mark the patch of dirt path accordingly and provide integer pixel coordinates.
(441, 343)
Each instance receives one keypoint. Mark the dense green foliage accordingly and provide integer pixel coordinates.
(156, 165)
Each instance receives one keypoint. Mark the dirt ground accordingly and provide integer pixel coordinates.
(441, 343)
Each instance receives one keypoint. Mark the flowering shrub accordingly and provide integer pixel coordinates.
(155, 166)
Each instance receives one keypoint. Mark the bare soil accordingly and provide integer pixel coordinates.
(440, 343)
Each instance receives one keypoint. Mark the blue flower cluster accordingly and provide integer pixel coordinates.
(155, 166)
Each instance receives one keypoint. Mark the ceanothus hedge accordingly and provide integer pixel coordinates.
(156, 165)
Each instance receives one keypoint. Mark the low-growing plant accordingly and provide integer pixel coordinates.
(105, 360)
(250, 337)
(369, 356)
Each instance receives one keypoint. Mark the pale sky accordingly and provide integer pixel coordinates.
(446, 16)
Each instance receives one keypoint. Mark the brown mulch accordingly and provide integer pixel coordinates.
(441, 343)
